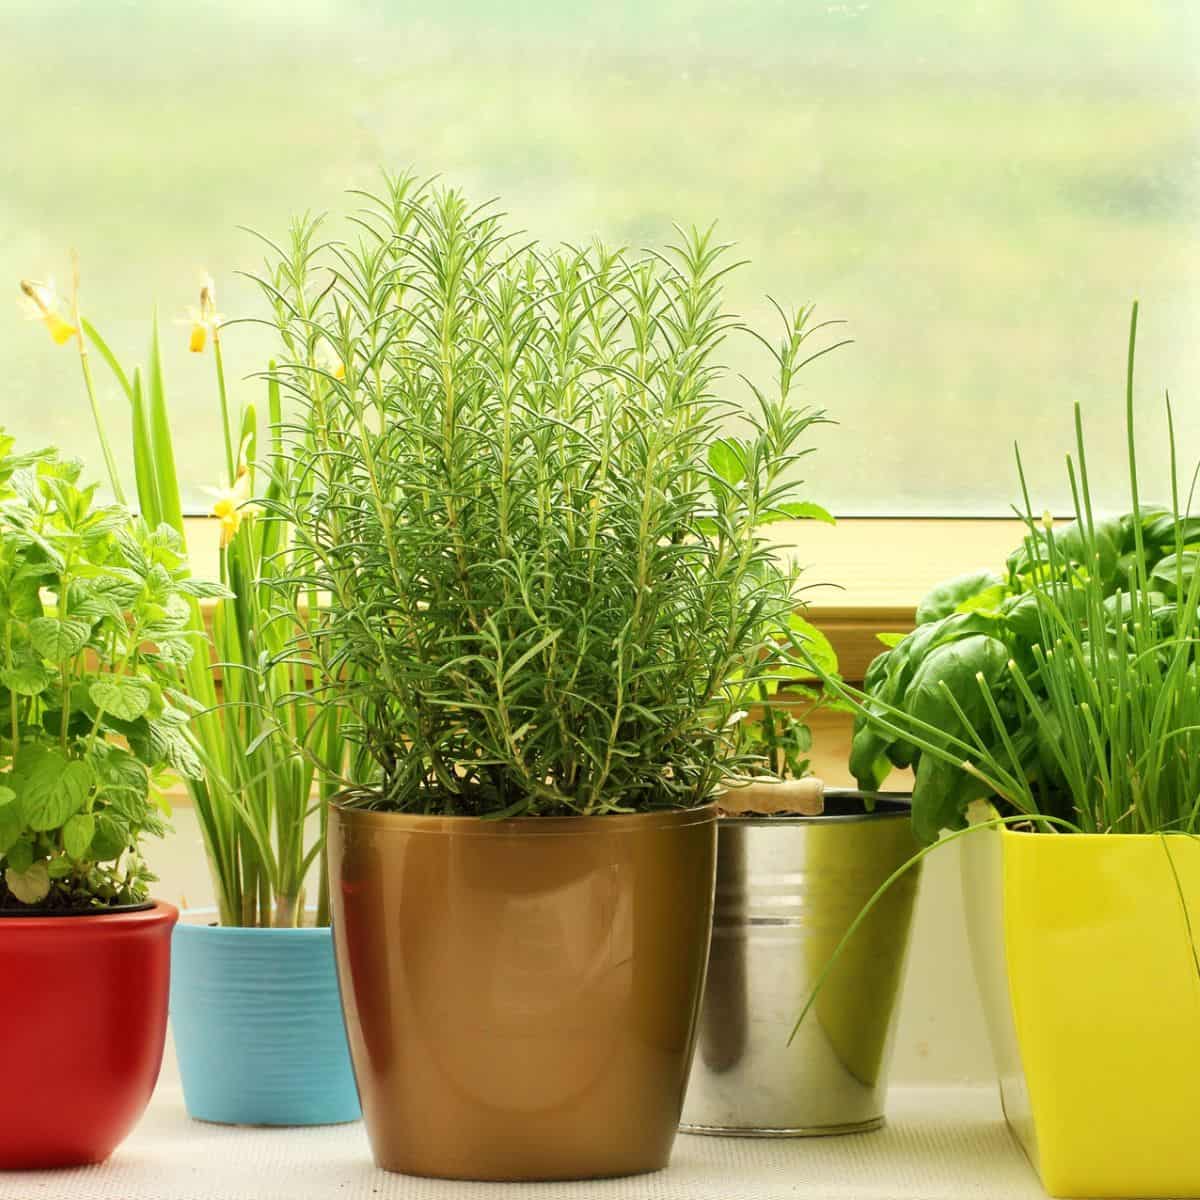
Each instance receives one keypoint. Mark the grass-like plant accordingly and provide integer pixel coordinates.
(1093, 727)
(1072, 695)
(511, 482)
(259, 797)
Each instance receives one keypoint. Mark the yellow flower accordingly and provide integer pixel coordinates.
(203, 320)
(231, 504)
(330, 364)
(40, 302)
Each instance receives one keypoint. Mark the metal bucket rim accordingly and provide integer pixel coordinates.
(890, 806)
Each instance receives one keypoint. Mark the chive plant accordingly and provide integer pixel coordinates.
(530, 513)
(1097, 731)
(1094, 725)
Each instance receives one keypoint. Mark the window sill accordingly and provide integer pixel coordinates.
(939, 1142)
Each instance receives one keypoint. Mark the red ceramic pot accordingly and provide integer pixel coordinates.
(83, 1015)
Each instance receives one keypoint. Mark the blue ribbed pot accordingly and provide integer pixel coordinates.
(258, 1026)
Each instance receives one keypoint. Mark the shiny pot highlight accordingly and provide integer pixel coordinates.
(521, 996)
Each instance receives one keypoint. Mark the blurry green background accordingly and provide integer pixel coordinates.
(978, 189)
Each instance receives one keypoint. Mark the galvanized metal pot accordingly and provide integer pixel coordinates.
(521, 996)
(787, 890)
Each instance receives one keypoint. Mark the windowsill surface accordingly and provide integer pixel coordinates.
(946, 1142)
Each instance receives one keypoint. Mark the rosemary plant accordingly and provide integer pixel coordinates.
(259, 797)
(544, 590)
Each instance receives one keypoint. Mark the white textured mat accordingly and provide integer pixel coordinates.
(941, 1142)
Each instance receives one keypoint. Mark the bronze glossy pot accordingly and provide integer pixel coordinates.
(521, 996)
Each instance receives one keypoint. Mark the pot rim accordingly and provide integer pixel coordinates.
(895, 810)
(571, 826)
(214, 929)
(149, 913)
(891, 806)
(1064, 836)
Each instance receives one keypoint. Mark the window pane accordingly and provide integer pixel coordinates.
(978, 189)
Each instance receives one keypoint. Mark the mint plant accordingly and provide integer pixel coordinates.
(93, 629)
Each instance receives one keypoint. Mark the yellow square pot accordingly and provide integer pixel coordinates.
(1083, 950)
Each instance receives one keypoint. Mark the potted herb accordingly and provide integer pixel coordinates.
(1065, 724)
(93, 614)
(543, 607)
(795, 865)
(255, 1014)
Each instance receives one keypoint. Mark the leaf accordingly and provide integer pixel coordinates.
(20, 854)
(7, 796)
(110, 839)
(59, 867)
(205, 589)
(12, 825)
(799, 510)
(987, 601)
(166, 481)
(105, 353)
(726, 456)
(944, 791)
(947, 597)
(51, 788)
(956, 666)
(59, 640)
(891, 639)
(143, 453)
(814, 643)
(124, 698)
(27, 679)
(78, 833)
(31, 886)
(163, 742)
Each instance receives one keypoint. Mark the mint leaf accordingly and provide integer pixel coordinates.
(12, 824)
(123, 698)
(28, 679)
(31, 886)
(204, 589)
(52, 789)
(78, 833)
(58, 640)
(20, 855)
(110, 839)
(59, 867)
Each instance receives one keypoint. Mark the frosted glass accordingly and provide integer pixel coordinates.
(979, 190)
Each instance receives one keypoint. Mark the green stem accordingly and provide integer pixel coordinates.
(230, 463)
(89, 383)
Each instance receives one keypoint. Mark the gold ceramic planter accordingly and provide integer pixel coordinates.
(521, 996)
